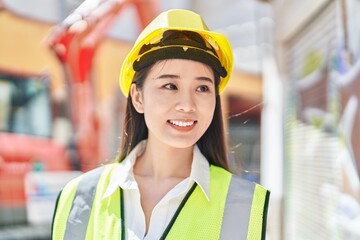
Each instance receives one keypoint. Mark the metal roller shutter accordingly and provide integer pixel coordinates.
(312, 171)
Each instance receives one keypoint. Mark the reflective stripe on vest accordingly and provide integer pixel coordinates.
(82, 204)
(245, 211)
(236, 210)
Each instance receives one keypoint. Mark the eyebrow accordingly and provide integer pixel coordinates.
(174, 76)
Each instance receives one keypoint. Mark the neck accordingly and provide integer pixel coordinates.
(161, 161)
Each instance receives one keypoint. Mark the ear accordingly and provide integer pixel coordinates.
(136, 98)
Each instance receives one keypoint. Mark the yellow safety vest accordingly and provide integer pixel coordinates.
(237, 209)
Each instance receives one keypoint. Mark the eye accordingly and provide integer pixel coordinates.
(170, 86)
(203, 88)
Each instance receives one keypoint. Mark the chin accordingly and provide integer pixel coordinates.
(181, 143)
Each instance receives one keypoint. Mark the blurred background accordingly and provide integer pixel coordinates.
(291, 108)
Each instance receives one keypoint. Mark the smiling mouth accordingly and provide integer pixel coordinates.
(182, 123)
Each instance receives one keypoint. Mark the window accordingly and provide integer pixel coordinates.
(24, 105)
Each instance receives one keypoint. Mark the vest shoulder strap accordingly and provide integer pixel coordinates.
(245, 210)
(74, 205)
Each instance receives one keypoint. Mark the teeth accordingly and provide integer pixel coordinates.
(181, 124)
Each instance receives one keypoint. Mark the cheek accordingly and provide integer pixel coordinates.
(210, 101)
(156, 102)
(156, 108)
(207, 106)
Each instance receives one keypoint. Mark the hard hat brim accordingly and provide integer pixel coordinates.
(149, 36)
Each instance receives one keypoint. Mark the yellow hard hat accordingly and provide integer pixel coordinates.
(218, 48)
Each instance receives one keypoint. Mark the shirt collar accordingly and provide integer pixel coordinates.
(200, 172)
(123, 175)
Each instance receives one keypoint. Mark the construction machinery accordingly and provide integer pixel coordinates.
(29, 116)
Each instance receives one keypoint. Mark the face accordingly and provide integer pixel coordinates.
(177, 100)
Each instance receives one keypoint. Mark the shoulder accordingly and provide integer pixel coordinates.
(239, 188)
(90, 178)
(219, 173)
(249, 193)
(239, 182)
(86, 183)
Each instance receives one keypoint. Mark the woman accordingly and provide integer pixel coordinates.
(171, 180)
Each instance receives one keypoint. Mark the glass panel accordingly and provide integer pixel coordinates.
(24, 105)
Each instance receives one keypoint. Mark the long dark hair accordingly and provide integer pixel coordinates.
(211, 144)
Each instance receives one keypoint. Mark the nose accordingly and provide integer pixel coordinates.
(186, 102)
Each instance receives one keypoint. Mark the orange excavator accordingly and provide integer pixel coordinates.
(74, 41)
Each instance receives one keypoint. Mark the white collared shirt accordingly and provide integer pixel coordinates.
(163, 212)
